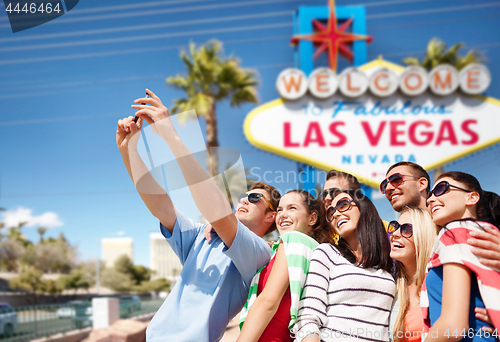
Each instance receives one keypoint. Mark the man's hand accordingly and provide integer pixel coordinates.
(488, 246)
(125, 130)
(208, 232)
(210, 200)
(154, 113)
(482, 315)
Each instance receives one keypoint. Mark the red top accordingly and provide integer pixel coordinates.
(414, 325)
(277, 329)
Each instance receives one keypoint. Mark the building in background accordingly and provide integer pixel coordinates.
(113, 248)
(163, 261)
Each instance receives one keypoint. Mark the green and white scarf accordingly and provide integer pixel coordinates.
(298, 249)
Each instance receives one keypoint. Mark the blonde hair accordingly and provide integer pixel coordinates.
(424, 236)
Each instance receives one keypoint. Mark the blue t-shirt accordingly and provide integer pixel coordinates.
(213, 284)
(434, 284)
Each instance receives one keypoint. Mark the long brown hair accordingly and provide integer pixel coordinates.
(322, 231)
(371, 235)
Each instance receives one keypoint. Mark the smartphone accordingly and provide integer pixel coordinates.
(136, 117)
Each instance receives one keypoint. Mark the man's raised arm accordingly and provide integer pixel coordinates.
(153, 195)
(211, 202)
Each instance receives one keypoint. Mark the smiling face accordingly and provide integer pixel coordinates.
(346, 222)
(454, 204)
(403, 249)
(408, 193)
(251, 213)
(292, 214)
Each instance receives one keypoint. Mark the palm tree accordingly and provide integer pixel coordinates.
(212, 78)
(437, 53)
(41, 231)
(15, 233)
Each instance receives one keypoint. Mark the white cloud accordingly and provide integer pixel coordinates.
(11, 218)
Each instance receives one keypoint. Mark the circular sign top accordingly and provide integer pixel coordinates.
(474, 79)
(353, 82)
(383, 82)
(291, 84)
(443, 79)
(414, 80)
(323, 83)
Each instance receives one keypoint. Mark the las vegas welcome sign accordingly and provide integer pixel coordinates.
(367, 118)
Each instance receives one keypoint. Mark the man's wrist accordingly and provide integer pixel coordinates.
(128, 149)
(124, 152)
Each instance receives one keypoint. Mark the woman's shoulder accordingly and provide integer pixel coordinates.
(298, 237)
(380, 273)
(328, 250)
(328, 247)
(468, 224)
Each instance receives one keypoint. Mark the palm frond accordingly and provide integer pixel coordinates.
(211, 78)
(437, 53)
(411, 61)
(179, 81)
(471, 57)
(180, 105)
(435, 48)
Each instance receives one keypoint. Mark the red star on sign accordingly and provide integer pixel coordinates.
(334, 39)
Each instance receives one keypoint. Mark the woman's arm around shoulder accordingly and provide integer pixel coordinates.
(267, 302)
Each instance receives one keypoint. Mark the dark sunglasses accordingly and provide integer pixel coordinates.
(406, 229)
(329, 191)
(442, 187)
(395, 179)
(342, 205)
(254, 197)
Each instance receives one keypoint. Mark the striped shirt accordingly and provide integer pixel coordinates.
(451, 247)
(299, 249)
(344, 302)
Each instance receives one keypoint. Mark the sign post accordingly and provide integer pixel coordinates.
(308, 18)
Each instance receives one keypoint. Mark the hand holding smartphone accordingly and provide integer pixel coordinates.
(136, 117)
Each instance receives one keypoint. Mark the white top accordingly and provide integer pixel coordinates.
(344, 302)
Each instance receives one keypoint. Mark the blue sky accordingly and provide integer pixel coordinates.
(64, 85)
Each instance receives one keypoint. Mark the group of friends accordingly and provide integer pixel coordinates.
(337, 271)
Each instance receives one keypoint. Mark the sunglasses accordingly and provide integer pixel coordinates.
(406, 229)
(254, 197)
(342, 205)
(329, 191)
(395, 179)
(442, 187)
